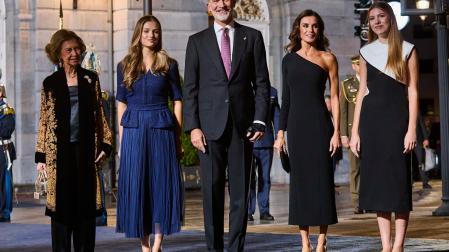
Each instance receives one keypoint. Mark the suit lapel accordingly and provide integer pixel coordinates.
(214, 50)
(239, 48)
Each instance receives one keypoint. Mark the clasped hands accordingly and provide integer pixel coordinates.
(254, 133)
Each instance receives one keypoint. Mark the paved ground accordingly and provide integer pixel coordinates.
(36, 237)
(30, 230)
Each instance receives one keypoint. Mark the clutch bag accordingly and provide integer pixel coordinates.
(285, 161)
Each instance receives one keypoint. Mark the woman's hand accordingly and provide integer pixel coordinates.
(334, 144)
(279, 145)
(409, 141)
(354, 144)
(100, 158)
(41, 167)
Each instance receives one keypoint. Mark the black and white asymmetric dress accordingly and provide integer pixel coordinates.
(385, 177)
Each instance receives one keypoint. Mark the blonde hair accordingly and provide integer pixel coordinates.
(395, 62)
(133, 62)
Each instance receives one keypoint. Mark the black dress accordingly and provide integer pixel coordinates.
(305, 117)
(385, 178)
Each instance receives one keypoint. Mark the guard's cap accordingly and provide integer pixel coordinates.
(355, 59)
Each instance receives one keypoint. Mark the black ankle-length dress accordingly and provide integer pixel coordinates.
(309, 130)
(385, 182)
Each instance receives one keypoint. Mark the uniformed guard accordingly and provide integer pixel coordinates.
(348, 95)
(7, 156)
(262, 159)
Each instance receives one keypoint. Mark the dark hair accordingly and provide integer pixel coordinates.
(53, 49)
(322, 43)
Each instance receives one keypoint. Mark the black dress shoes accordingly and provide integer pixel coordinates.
(4, 219)
(266, 216)
(250, 217)
(426, 186)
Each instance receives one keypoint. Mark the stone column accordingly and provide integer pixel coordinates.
(24, 89)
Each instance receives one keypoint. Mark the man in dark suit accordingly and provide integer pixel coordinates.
(262, 160)
(226, 96)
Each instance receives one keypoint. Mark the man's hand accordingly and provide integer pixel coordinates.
(198, 140)
(255, 132)
(255, 136)
(345, 141)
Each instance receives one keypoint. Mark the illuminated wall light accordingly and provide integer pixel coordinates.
(422, 5)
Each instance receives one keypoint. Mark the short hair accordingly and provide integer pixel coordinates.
(53, 49)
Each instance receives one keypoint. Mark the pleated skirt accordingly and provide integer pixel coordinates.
(150, 191)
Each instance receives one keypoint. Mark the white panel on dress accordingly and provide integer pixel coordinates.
(376, 54)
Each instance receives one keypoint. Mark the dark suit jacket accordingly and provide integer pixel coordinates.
(208, 94)
(271, 130)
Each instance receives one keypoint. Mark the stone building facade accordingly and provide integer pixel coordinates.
(27, 25)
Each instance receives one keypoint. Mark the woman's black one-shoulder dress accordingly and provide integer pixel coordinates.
(385, 178)
(309, 130)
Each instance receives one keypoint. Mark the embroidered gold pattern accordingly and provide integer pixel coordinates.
(47, 139)
(102, 135)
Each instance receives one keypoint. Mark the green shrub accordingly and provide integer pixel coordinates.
(190, 153)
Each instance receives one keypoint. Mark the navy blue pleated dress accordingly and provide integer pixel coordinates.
(150, 193)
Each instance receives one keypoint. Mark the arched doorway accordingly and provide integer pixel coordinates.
(255, 14)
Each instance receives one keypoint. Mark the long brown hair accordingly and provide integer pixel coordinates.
(133, 62)
(395, 61)
(322, 43)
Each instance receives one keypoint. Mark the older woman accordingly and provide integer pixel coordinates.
(73, 138)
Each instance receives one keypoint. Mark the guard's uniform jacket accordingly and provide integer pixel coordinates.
(7, 156)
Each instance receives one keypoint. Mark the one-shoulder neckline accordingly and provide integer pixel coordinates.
(312, 63)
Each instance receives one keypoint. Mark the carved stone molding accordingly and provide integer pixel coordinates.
(250, 10)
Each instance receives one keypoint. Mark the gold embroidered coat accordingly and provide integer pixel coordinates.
(53, 135)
